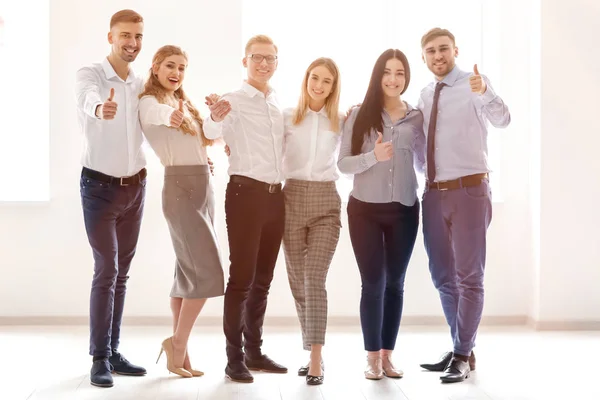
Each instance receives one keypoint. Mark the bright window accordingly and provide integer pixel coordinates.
(24, 101)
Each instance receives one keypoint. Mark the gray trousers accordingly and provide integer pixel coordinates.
(312, 230)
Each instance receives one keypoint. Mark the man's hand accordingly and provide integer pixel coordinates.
(211, 166)
(478, 85)
(108, 109)
(351, 108)
(218, 108)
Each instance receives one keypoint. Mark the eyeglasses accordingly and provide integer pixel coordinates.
(258, 58)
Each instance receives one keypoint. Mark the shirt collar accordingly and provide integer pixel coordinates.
(452, 77)
(251, 91)
(322, 111)
(110, 73)
(388, 121)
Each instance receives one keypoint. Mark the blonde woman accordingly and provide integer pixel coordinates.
(312, 203)
(173, 127)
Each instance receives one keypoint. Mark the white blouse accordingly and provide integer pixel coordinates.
(310, 148)
(171, 145)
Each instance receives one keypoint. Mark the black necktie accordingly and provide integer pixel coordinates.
(431, 134)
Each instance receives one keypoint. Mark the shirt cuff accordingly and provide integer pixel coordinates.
(370, 159)
(212, 129)
(489, 95)
(94, 107)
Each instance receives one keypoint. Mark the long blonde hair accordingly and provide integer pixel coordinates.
(154, 88)
(332, 102)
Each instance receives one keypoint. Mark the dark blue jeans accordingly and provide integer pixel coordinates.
(455, 224)
(383, 237)
(112, 215)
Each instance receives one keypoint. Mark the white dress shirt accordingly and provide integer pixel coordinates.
(113, 147)
(253, 130)
(310, 148)
(171, 145)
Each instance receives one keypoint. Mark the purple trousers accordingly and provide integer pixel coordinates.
(455, 224)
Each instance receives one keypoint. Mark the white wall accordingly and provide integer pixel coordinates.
(46, 262)
(569, 285)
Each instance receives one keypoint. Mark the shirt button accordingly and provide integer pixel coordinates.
(390, 170)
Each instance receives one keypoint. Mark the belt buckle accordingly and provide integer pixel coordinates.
(440, 189)
(272, 188)
(121, 182)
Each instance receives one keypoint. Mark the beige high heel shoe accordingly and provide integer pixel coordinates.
(374, 370)
(167, 347)
(188, 367)
(389, 370)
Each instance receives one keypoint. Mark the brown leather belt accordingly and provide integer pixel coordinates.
(465, 181)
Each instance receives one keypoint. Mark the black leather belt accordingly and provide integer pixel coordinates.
(271, 188)
(122, 181)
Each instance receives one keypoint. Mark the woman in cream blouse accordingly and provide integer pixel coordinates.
(173, 127)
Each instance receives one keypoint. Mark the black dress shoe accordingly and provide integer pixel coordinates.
(303, 371)
(444, 362)
(238, 372)
(100, 374)
(316, 379)
(265, 364)
(123, 367)
(441, 365)
(457, 371)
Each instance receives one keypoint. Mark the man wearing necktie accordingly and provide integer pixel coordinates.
(457, 207)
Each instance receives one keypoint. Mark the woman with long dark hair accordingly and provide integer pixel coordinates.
(380, 141)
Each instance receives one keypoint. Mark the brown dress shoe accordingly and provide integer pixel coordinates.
(265, 364)
(237, 371)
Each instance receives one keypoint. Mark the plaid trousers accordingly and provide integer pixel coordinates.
(312, 231)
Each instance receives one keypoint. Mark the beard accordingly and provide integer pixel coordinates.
(128, 57)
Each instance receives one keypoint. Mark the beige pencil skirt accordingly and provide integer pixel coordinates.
(189, 208)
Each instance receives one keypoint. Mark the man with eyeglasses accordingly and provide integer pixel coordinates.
(251, 123)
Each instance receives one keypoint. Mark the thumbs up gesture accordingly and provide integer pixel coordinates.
(177, 116)
(477, 83)
(383, 151)
(108, 109)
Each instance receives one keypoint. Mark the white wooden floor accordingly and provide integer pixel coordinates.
(512, 364)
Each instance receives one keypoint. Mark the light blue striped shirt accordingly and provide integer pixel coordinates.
(461, 130)
(388, 181)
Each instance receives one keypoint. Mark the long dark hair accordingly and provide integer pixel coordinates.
(369, 114)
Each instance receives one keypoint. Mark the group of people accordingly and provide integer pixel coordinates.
(383, 142)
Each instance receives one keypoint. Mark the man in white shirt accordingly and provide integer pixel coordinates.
(251, 123)
(112, 186)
